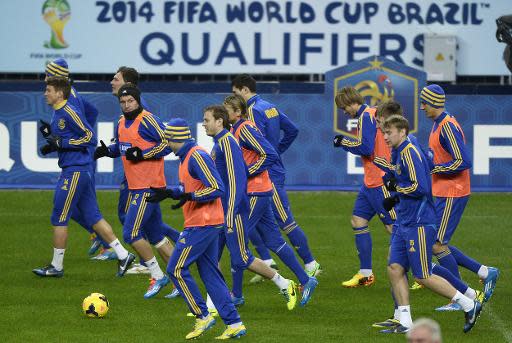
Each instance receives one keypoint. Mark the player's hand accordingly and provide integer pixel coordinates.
(183, 198)
(389, 203)
(389, 182)
(159, 194)
(134, 154)
(46, 149)
(54, 141)
(337, 140)
(101, 151)
(45, 128)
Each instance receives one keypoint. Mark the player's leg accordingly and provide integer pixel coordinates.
(459, 285)
(446, 219)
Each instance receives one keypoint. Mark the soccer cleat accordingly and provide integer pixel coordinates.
(201, 326)
(233, 333)
(256, 279)
(237, 301)
(416, 286)
(124, 264)
(480, 296)
(388, 323)
(48, 271)
(317, 269)
(155, 286)
(490, 282)
(212, 311)
(450, 307)
(290, 294)
(95, 245)
(308, 290)
(138, 268)
(359, 280)
(396, 329)
(174, 294)
(105, 254)
(472, 316)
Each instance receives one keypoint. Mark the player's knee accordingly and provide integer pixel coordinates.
(394, 269)
(438, 248)
(356, 221)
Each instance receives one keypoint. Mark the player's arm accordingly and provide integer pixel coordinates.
(202, 167)
(412, 181)
(290, 132)
(152, 129)
(364, 143)
(258, 117)
(90, 112)
(383, 164)
(453, 142)
(254, 140)
(82, 132)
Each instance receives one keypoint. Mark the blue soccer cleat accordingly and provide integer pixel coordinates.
(95, 245)
(388, 323)
(123, 264)
(105, 254)
(472, 316)
(308, 290)
(48, 271)
(453, 306)
(156, 285)
(490, 282)
(174, 294)
(400, 329)
(237, 301)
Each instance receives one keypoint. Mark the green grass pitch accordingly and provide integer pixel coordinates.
(34, 309)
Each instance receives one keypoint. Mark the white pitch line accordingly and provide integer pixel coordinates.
(499, 324)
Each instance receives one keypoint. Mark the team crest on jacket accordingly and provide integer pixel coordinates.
(61, 123)
(398, 169)
(378, 80)
(213, 155)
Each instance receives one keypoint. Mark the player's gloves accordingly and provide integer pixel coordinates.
(389, 203)
(46, 149)
(45, 128)
(179, 204)
(134, 154)
(159, 194)
(54, 141)
(337, 141)
(101, 151)
(389, 182)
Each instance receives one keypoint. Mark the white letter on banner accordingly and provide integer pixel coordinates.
(29, 150)
(484, 151)
(105, 133)
(203, 139)
(352, 167)
(6, 161)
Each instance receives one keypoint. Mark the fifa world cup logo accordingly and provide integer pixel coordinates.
(57, 14)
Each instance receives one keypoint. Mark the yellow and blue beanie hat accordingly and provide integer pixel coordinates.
(177, 130)
(59, 67)
(433, 95)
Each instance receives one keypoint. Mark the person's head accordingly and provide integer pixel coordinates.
(57, 90)
(129, 99)
(58, 67)
(236, 107)
(349, 100)
(424, 330)
(215, 118)
(386, 109)
(432, 100)
(177, 132)
(122, 76)
(395, 129)
(244, 85)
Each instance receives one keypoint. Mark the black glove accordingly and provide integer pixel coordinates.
(134, 154)
(390, 184)
(47, 148)
(54, 141)
(45, 128)
(159, 194)
(101, 151)
(337, 140)
(184, 197)
(389, 203)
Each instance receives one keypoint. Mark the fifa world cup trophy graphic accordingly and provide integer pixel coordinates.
(57, 14)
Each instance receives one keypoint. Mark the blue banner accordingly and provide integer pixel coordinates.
(312, 163)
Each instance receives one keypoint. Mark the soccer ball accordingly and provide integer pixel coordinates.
(95, 305)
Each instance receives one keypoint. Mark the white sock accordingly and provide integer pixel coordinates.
(470, 293)
(234, 326)
(58, 258)
(121, 252)
(464, 301)
(269, 262)
(280, 281)
(209, 303)
(310, 266)
(154, 269)
(365, 272)
(483, 272)
(404, 313)
(396, 315)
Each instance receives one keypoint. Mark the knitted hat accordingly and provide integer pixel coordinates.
(59, 67)
(129, 89)
(177, 130)
(433, 95)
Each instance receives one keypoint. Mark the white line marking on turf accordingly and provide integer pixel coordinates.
(499, 324)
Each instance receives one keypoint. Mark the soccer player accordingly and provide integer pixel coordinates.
(72, 137)
(451, 185)
(229, 161)
(140, 142)
(200, 193)
(415, 231)
(59, 67)
(259, 156)
(369, 142)
(270, 121)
